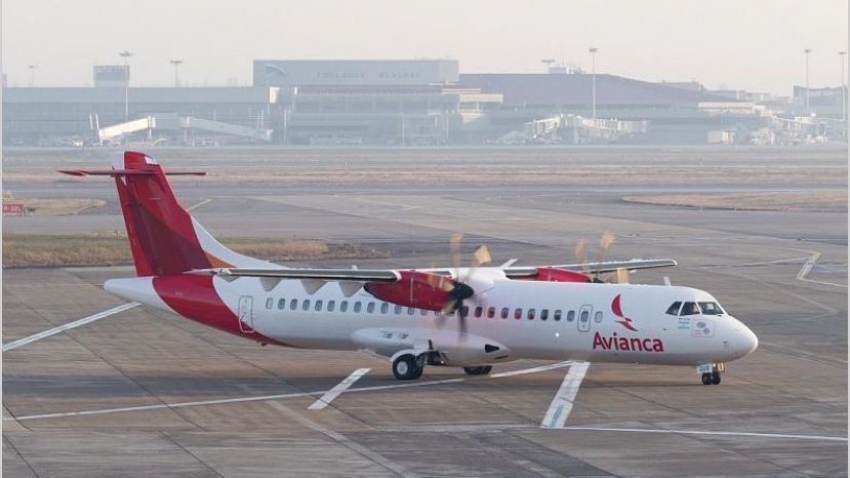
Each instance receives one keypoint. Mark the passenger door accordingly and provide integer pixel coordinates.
(246, 314)
(583, 319)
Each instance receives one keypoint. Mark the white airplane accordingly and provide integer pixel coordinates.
(470, 317)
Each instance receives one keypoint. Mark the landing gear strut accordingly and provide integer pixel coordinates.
(408, 367)
(482, 370)
(711, 377)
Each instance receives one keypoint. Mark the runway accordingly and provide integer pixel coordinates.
(143, 393)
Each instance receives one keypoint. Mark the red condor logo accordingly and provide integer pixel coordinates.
(618, 311)
(625, 344)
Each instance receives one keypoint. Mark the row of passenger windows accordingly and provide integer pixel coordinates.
(384, 308)
(694, 308)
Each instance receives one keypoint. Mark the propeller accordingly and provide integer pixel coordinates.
(580, 251)
(459, 290)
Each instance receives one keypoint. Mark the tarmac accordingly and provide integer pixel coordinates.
(145, 393)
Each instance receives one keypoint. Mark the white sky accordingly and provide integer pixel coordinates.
(745, 44)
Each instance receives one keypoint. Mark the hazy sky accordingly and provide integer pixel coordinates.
(746, 44)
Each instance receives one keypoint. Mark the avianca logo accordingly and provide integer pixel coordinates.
(624, 344)
(618, 311)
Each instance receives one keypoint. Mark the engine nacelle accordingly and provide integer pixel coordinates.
(552, 274)
(419, 290)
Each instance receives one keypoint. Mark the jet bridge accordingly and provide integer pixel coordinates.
(185, 123)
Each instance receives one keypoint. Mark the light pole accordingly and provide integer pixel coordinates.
(843, 88)
(126, 56)
(807, 51)
(593, 51)
(176, 64)
(32, 68)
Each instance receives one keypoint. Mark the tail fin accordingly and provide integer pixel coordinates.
(164, 238)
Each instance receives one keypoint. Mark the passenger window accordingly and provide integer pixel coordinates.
(478, 311)
(674, 308)
(518, 314)
(357, 306)
(505, 312)
(689, 308)
(293, 305)
(571, 316)
(343, 306)
(423, 312)
(410, 310)
(331, 306)
(557, 315)
(318, 307)
(397, 310)
(306, 304)
(544, 314)
(710, 308)
(491, 312)
(370, 308)
(584, 317)
(281, 304)
(269, 303)
(464, 311)
(597, 317)
(530, 314)
(385, 307)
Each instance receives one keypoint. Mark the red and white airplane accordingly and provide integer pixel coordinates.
(470, 317)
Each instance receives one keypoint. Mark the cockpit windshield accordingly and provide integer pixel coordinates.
(689, 308)
(710, 308)
(681, 309)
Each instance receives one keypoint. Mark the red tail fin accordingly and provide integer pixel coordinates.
(164, 238)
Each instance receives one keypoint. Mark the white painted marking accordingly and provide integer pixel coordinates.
(221, 401)
(328, 397)
(196, 206)
(343, 440)
(807, 268)
(562, 404)
(708, 432)
(68, 326)
(524, 371)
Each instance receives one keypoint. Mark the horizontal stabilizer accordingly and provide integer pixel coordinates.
(126, 172)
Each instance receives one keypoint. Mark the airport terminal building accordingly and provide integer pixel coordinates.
(379, 102)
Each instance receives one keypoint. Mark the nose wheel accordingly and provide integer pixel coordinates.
(711, 373)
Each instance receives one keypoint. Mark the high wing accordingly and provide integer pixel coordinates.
(392, 275)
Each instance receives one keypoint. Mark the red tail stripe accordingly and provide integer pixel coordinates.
(195, 298)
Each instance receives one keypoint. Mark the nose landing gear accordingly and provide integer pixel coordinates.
(711, 373)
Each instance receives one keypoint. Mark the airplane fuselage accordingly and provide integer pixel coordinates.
(511, 320)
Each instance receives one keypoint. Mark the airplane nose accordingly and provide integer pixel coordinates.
(745, 341)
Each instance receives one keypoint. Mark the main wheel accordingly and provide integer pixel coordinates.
(482, 370)
(406, 368)
(706, 379)
(715, 378)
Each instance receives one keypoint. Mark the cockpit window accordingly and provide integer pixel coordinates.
(674, 308)
(690, 308)
(710, 308)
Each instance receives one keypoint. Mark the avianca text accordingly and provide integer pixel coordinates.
(625, 344)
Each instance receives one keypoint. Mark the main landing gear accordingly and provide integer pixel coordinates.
(711, 373)
(482, 370)
(408, 367)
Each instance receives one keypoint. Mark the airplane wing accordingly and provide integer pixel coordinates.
(430, 289)
(593, 267)
(395, 275)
